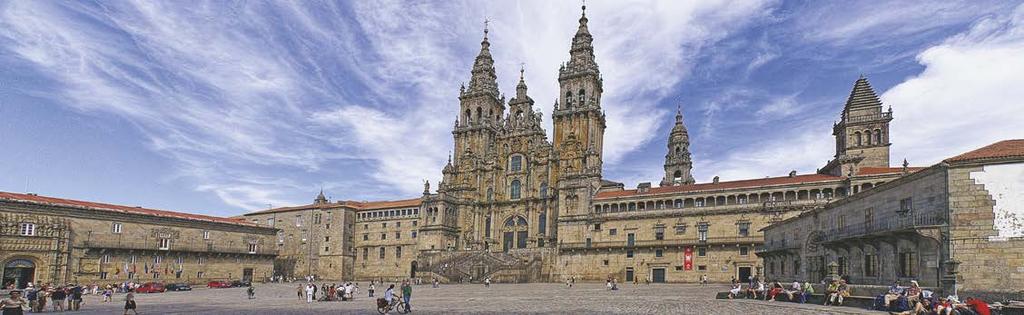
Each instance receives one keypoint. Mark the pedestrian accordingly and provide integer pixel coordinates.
(487, 282)
(704, 280)
(407, 295)
(310, 292)
(57, 298)
(251, 291)
(76, 297)
(129, 304)
(299, 292)
(371, 288)
(15, 304)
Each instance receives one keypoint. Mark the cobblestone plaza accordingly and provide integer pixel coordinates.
(534, 298)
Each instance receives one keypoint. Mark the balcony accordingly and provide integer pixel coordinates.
(664, 243)
(884, 226)
(874, 117)
(177, 246)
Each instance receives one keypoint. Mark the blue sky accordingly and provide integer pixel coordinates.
(224, 107)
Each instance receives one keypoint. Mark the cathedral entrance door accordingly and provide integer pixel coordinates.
(508, 241)
(19, 272)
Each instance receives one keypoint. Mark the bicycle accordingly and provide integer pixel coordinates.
(383, 307)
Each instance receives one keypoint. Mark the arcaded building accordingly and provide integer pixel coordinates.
(517, 206)
(958, 223)
(54, 240)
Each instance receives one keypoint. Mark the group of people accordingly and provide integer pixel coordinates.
(329, 292)
(756, 288)
(60, 298)
(347, 292)
(913, 300)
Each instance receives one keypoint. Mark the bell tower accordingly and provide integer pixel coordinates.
(677, 161)
(579, 125)
(862, 133)
(481, 107)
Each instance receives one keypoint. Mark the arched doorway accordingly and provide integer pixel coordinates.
(19, 272)
(412, 270)
(515, 233)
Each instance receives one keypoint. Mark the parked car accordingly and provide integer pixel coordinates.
(151, 287)
(178, 287)
(218, 284)
(241, 283)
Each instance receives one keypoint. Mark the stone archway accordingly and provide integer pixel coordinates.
(515, 233)
(19, 272)
(412, 270)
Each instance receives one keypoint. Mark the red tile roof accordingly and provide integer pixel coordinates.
(358, 205)
(885, 170)
(368, 205)
(799, 179)
(1001, 149)
(33, 198)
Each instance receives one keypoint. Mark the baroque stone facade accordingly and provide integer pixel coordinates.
(44, 239)
(515, 206)
(957, 225)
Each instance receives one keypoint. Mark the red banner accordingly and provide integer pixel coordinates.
(688, 258)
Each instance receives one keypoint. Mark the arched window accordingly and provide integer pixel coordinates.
(878, 136)
(511, 222)
(867, 134)
(479, 114)
(519, 114)
(514, 189)
(469, 114)
(516, 163)
(490, 194)
(487, 227)
(678, 176)
(568, 99)
(542, 225)
(582, 97)
(543, 190)
(677, 149)
(856, 138)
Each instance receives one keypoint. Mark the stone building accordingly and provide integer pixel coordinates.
(958, 223)
(516, 206)
(46, 239)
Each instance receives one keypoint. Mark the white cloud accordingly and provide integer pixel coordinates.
(968, 96)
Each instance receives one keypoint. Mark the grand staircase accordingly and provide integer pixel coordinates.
(475, 266)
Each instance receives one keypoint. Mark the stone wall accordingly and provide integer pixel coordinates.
(985, 202)
(87, 245)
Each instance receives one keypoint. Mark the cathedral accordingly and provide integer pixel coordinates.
(516, 206)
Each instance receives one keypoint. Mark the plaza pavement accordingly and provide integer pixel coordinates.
(534, 298)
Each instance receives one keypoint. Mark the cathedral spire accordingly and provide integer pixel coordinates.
(582, 51)
(521, 87)
(483, 77)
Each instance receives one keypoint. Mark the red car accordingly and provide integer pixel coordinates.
(151, 287)
(218, 284)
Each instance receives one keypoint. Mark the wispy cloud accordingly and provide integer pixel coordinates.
(968, 96)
